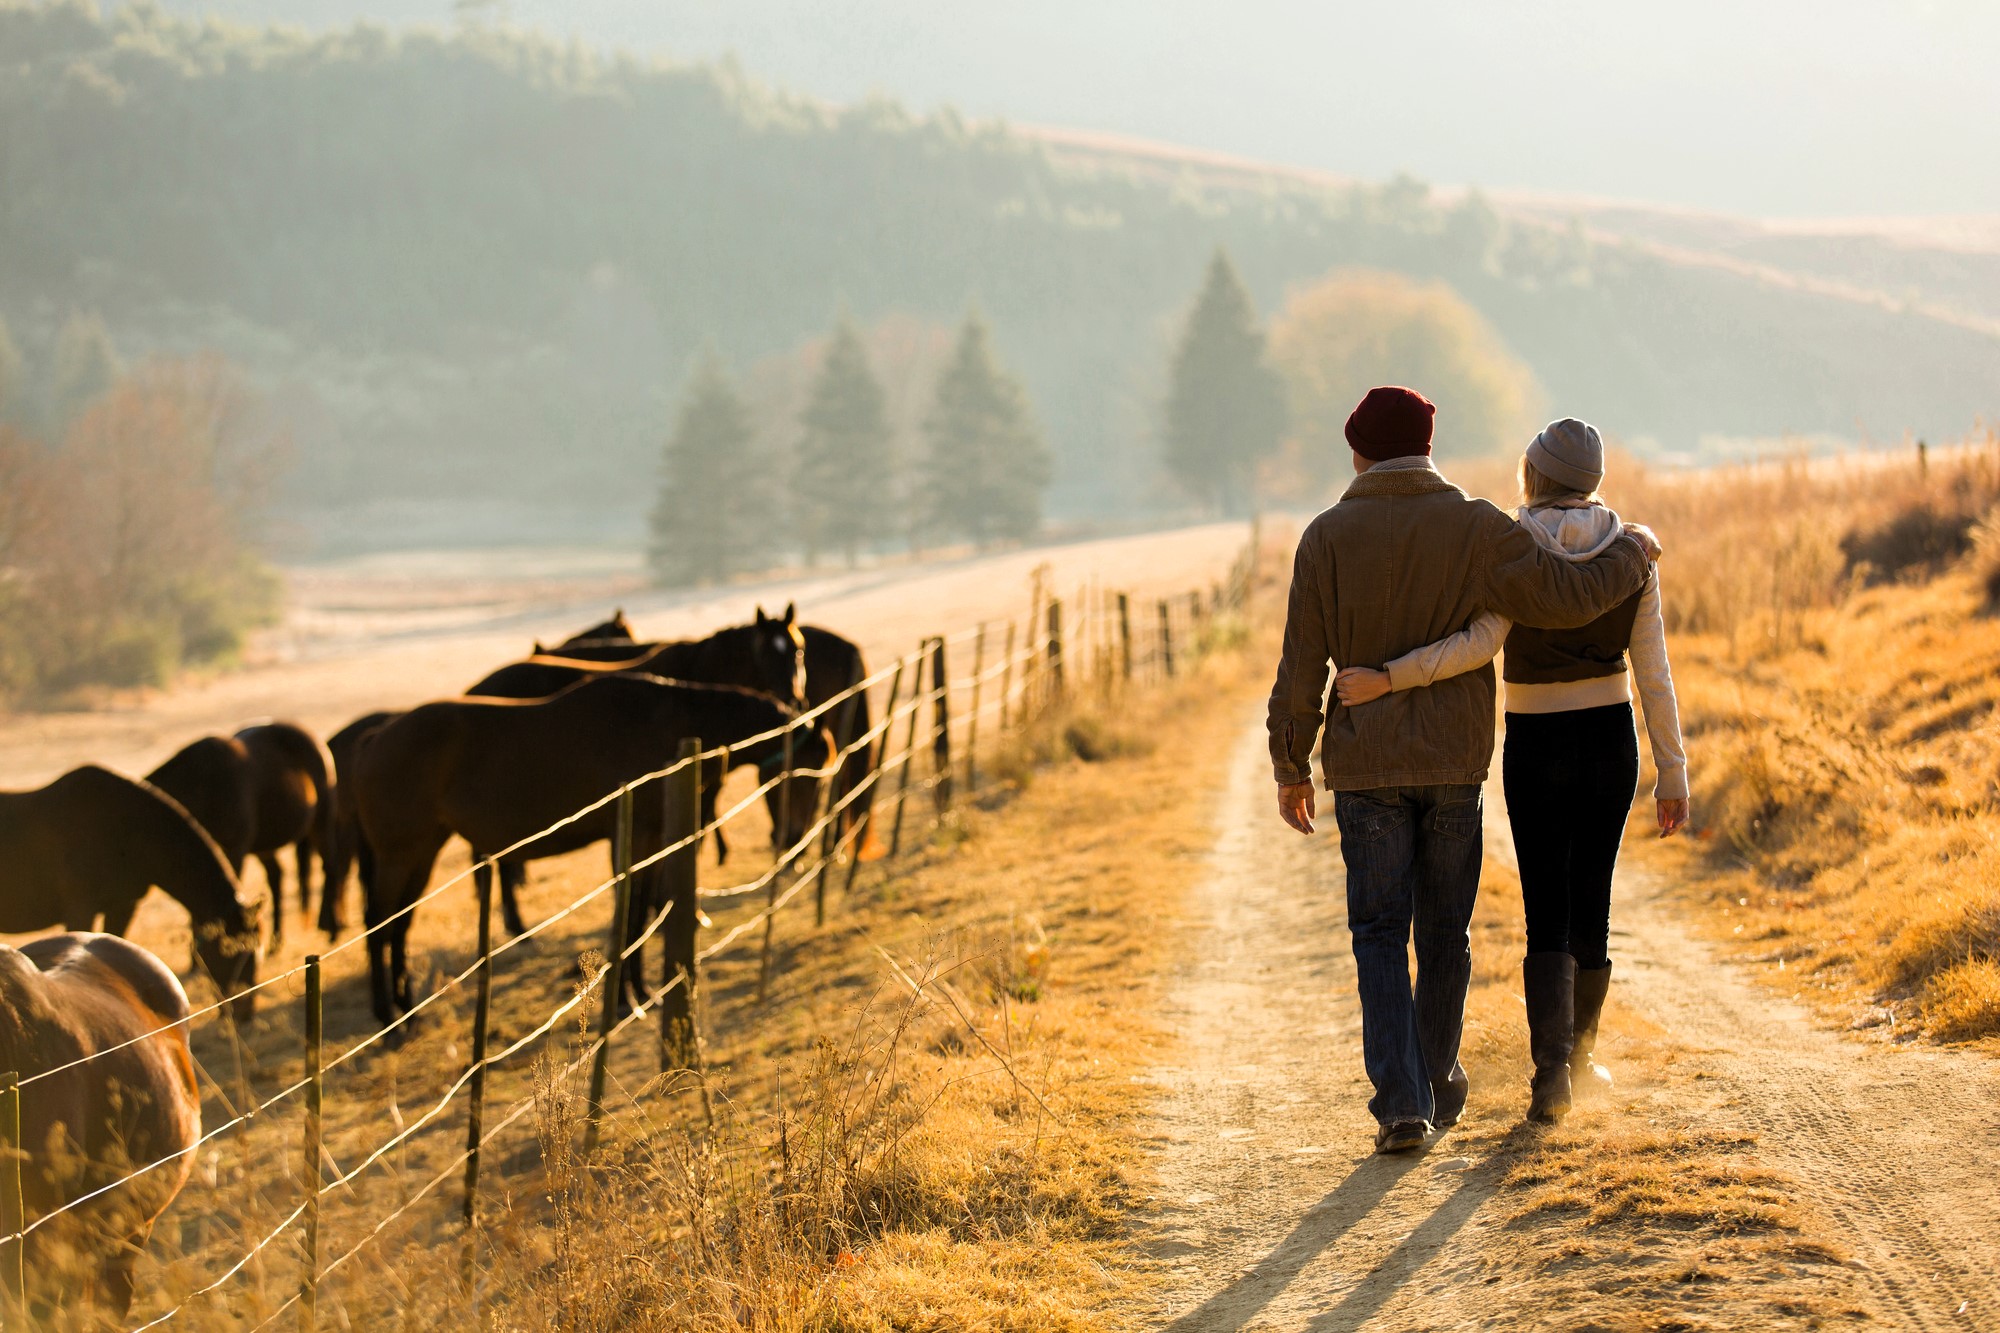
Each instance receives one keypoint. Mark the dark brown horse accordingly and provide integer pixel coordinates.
(62, 998)
(90, 844)
(496, 771)
(268, 786)
(617, 630)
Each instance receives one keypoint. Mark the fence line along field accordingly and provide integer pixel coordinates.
(327, 1137)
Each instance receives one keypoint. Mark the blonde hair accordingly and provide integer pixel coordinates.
(1539, 488)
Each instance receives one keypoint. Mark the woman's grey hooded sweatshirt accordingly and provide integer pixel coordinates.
(1575, 530)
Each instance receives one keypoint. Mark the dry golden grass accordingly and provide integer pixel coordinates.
(1838, 663)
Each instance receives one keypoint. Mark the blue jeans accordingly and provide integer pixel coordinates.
(1413, 856)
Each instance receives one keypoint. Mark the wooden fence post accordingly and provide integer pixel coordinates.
(784, 834)
(1167, 638)
(1007, 677)
(1055, 667)
(13, 1210)
(909, 756)
(475, 1111)
(313, 1176)
(874, 778)
(972, 715)
(680, 1044)
(1125, 637)
(941, 741)
(614, 975)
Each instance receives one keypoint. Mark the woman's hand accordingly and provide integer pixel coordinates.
(1359, 685)
(1673, 816)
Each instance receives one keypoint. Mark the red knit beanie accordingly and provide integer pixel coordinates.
(1391, 422)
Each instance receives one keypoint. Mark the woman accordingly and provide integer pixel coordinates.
(1571, 766)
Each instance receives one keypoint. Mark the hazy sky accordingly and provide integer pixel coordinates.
(1783, 107)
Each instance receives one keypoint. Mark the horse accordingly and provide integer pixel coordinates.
(766, 655)
(268, 786)
(834, 665)
(496, 771)
(617, 630)
(64, 997)
(343, 839)
(90, 844)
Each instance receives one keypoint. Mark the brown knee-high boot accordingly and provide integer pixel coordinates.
(1591, 984)
(1550, 982)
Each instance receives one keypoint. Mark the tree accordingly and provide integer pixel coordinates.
(1357, 328)
(712, 516)
(987, 464)
(85, 367)
(841, 479)
(1225, 405)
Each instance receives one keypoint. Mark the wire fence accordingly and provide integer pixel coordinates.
(943, 699)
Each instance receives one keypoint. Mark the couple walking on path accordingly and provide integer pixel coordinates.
(1410, 587)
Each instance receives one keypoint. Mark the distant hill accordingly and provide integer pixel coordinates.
(472, 268)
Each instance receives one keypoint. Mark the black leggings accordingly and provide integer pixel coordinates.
(1570, 778)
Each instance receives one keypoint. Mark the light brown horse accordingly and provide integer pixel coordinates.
(267, 787)
(497, 771)
(62, 998)
(88, 846)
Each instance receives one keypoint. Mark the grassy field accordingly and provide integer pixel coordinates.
(1838, 660)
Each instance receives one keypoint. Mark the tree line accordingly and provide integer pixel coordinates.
(981, 475)
(1250, 415)
(452, 248)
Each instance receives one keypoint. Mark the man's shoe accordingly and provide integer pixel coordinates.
(1449, 1101)
(1549, 980)
(1402, 1136)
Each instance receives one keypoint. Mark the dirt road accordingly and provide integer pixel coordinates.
(391, 631)
(1271, 1212)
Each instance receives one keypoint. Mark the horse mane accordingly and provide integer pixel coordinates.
(200, 877)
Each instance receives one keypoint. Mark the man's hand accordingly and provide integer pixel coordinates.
(1673, 816)
(1359, 685)
(1295, 805)
(1648, 542)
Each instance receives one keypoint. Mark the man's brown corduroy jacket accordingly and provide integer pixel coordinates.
(1403, 560)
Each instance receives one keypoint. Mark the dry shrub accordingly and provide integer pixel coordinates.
(127, 551)
(1622, 1174)
(1985, 562)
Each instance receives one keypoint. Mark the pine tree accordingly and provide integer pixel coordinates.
(84, 368)
(987, 465)
(841, 481)
(1225, 404)
(713, 515)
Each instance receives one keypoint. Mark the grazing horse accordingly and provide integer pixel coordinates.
(268, 786)
(91, 843)
(617, 630)
(62, 998)
(496, 771)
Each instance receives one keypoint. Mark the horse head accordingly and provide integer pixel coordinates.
(778, 655)
(227, 949)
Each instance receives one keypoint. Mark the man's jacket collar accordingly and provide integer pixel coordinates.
(1397, 481)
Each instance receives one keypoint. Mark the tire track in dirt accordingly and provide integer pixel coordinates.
(1270, 1211)
(1901, 1147)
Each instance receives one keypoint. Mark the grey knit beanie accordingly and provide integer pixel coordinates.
(1571, 452)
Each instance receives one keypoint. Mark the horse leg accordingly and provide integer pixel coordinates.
(638, 916)
(399, 963)
(274, 875)
(114, 1277)
(302, 858)
(513, 878)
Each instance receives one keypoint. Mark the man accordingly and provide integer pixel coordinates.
(1404, 559)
